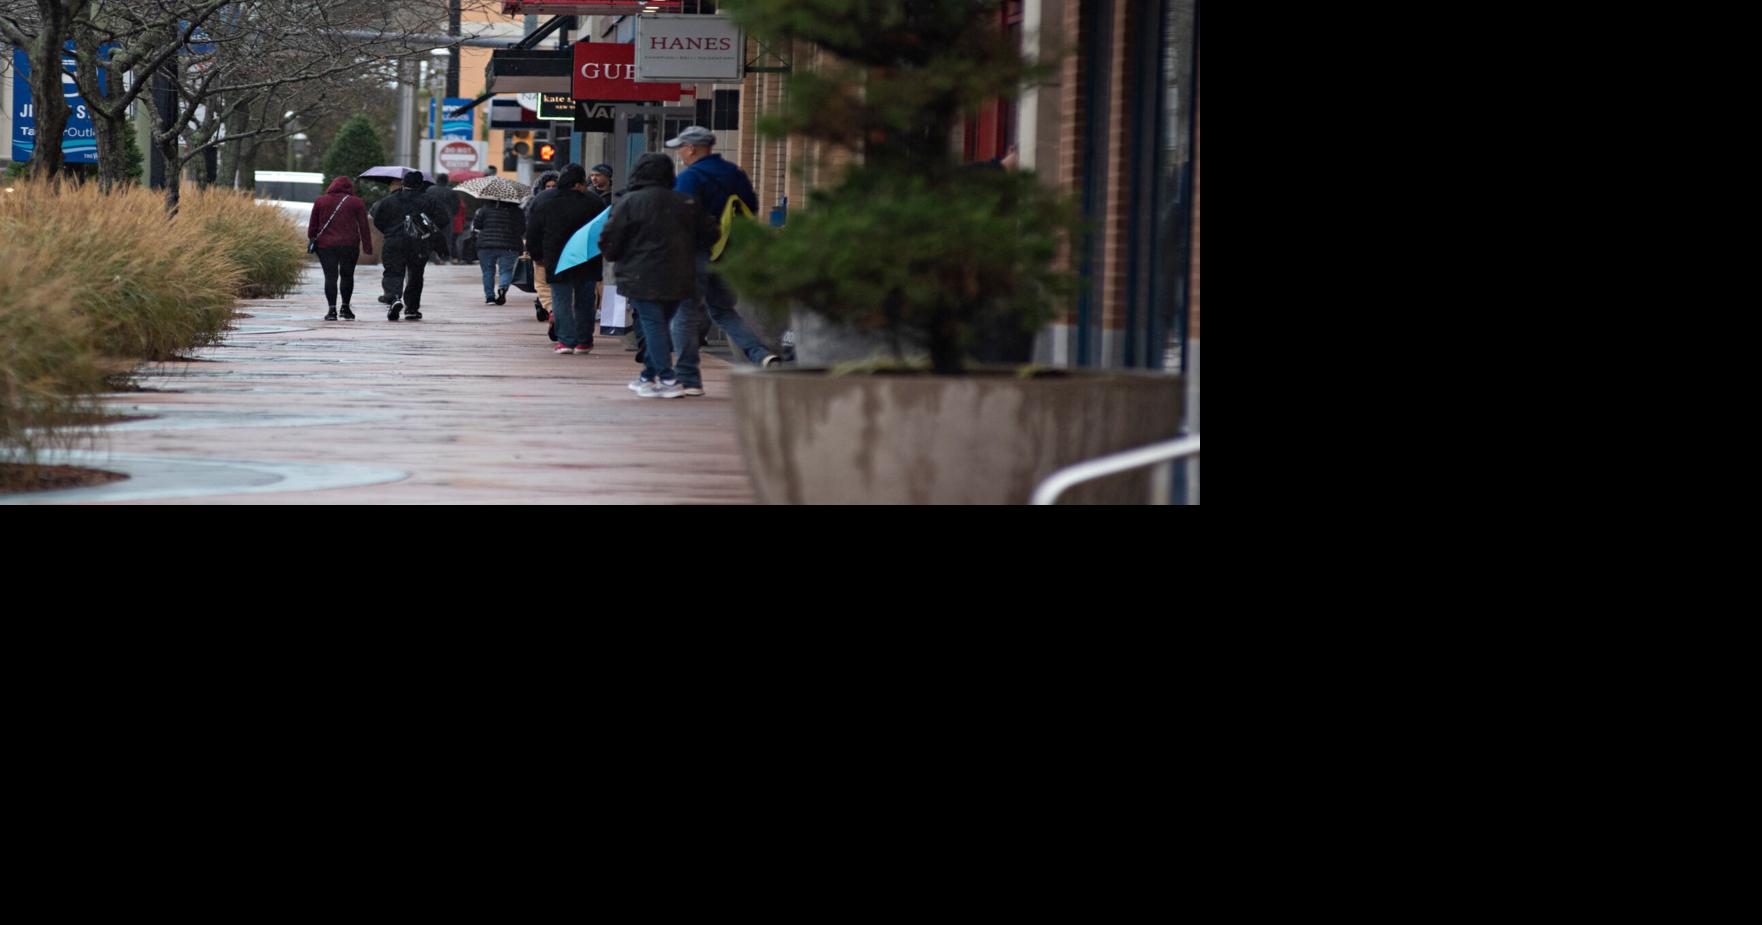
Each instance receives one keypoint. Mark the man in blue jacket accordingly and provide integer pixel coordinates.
(710, 180)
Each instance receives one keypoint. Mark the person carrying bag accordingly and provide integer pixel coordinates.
(339, 245)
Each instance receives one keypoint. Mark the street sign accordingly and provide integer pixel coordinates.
(451, 156)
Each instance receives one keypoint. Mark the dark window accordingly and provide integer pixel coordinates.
(727, 111)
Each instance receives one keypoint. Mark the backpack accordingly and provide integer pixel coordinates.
(420, 226)
(728, 210)
(729, 207)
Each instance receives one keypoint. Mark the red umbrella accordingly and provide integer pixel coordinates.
(457, 177)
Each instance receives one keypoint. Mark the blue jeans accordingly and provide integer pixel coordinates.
(717, 300)
(572, 306)
(654, 316)
(488, 261)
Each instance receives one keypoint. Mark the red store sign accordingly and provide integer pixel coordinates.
(607, 71)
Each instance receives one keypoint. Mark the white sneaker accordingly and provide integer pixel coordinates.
(660, 390)
(770, 361)
(637, 384)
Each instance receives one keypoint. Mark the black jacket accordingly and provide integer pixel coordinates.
(654, 234)
(448, 200)
(500, 227)
(556, 215)
(388, 214)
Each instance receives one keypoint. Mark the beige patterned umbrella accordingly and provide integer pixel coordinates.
(495, 188)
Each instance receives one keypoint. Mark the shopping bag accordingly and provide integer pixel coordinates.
(615, 313)
(523, 275)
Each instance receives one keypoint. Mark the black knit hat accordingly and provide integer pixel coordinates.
(602, 169)
(572, 175)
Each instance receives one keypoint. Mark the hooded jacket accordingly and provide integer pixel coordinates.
(654, 234)
(556, 216)
(538, 189)
(350, 224)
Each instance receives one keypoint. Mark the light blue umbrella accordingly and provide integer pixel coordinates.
(584, 245)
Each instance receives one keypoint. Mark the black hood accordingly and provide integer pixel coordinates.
(539, 186)
(652, 170)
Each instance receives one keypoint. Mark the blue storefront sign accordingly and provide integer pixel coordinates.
(441, 124)
(79, 144)
(459, 126)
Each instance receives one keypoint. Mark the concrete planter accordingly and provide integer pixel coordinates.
(982, 438)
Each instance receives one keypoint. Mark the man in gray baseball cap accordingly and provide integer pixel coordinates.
(710, 180)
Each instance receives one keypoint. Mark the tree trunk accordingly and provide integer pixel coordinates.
(109, 121)
(174, 172)
(47, 98)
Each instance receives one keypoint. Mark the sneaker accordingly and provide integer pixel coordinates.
(412, 315)
(695, 391)
(584, 351)
(637, 384)
(539, 307)
(770, 361)
(560, 349)
(490, 302)
(331, 316)
(660, 390)
(397, 307)
(385, 300)
(346, 314)
(502, 296)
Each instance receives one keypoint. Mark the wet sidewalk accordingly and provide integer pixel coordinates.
(467, 406)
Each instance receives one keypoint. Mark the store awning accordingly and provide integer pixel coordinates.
(590, 7)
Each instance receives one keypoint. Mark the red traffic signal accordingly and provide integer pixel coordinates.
(547, 152)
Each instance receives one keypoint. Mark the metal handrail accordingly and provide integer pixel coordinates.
(1114, 463)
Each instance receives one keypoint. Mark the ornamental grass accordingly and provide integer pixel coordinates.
(259, 239)
(92, 285)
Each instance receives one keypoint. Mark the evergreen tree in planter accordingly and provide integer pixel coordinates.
(357, 148)
(912, 245)
(932, 255)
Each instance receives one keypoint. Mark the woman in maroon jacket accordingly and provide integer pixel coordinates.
(339, 229)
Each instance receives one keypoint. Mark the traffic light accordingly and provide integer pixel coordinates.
(546, 156)
(520, 143)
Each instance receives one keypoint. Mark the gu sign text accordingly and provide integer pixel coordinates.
(607, 71)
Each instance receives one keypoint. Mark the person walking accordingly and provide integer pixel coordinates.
(653, 235)
(711, 180)
(443, 194)
(555, 218)
(407, 243)
(339, 241)
(547, 181)
(600, 178)
(501, 234)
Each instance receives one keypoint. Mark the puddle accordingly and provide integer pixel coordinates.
(155, 477)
